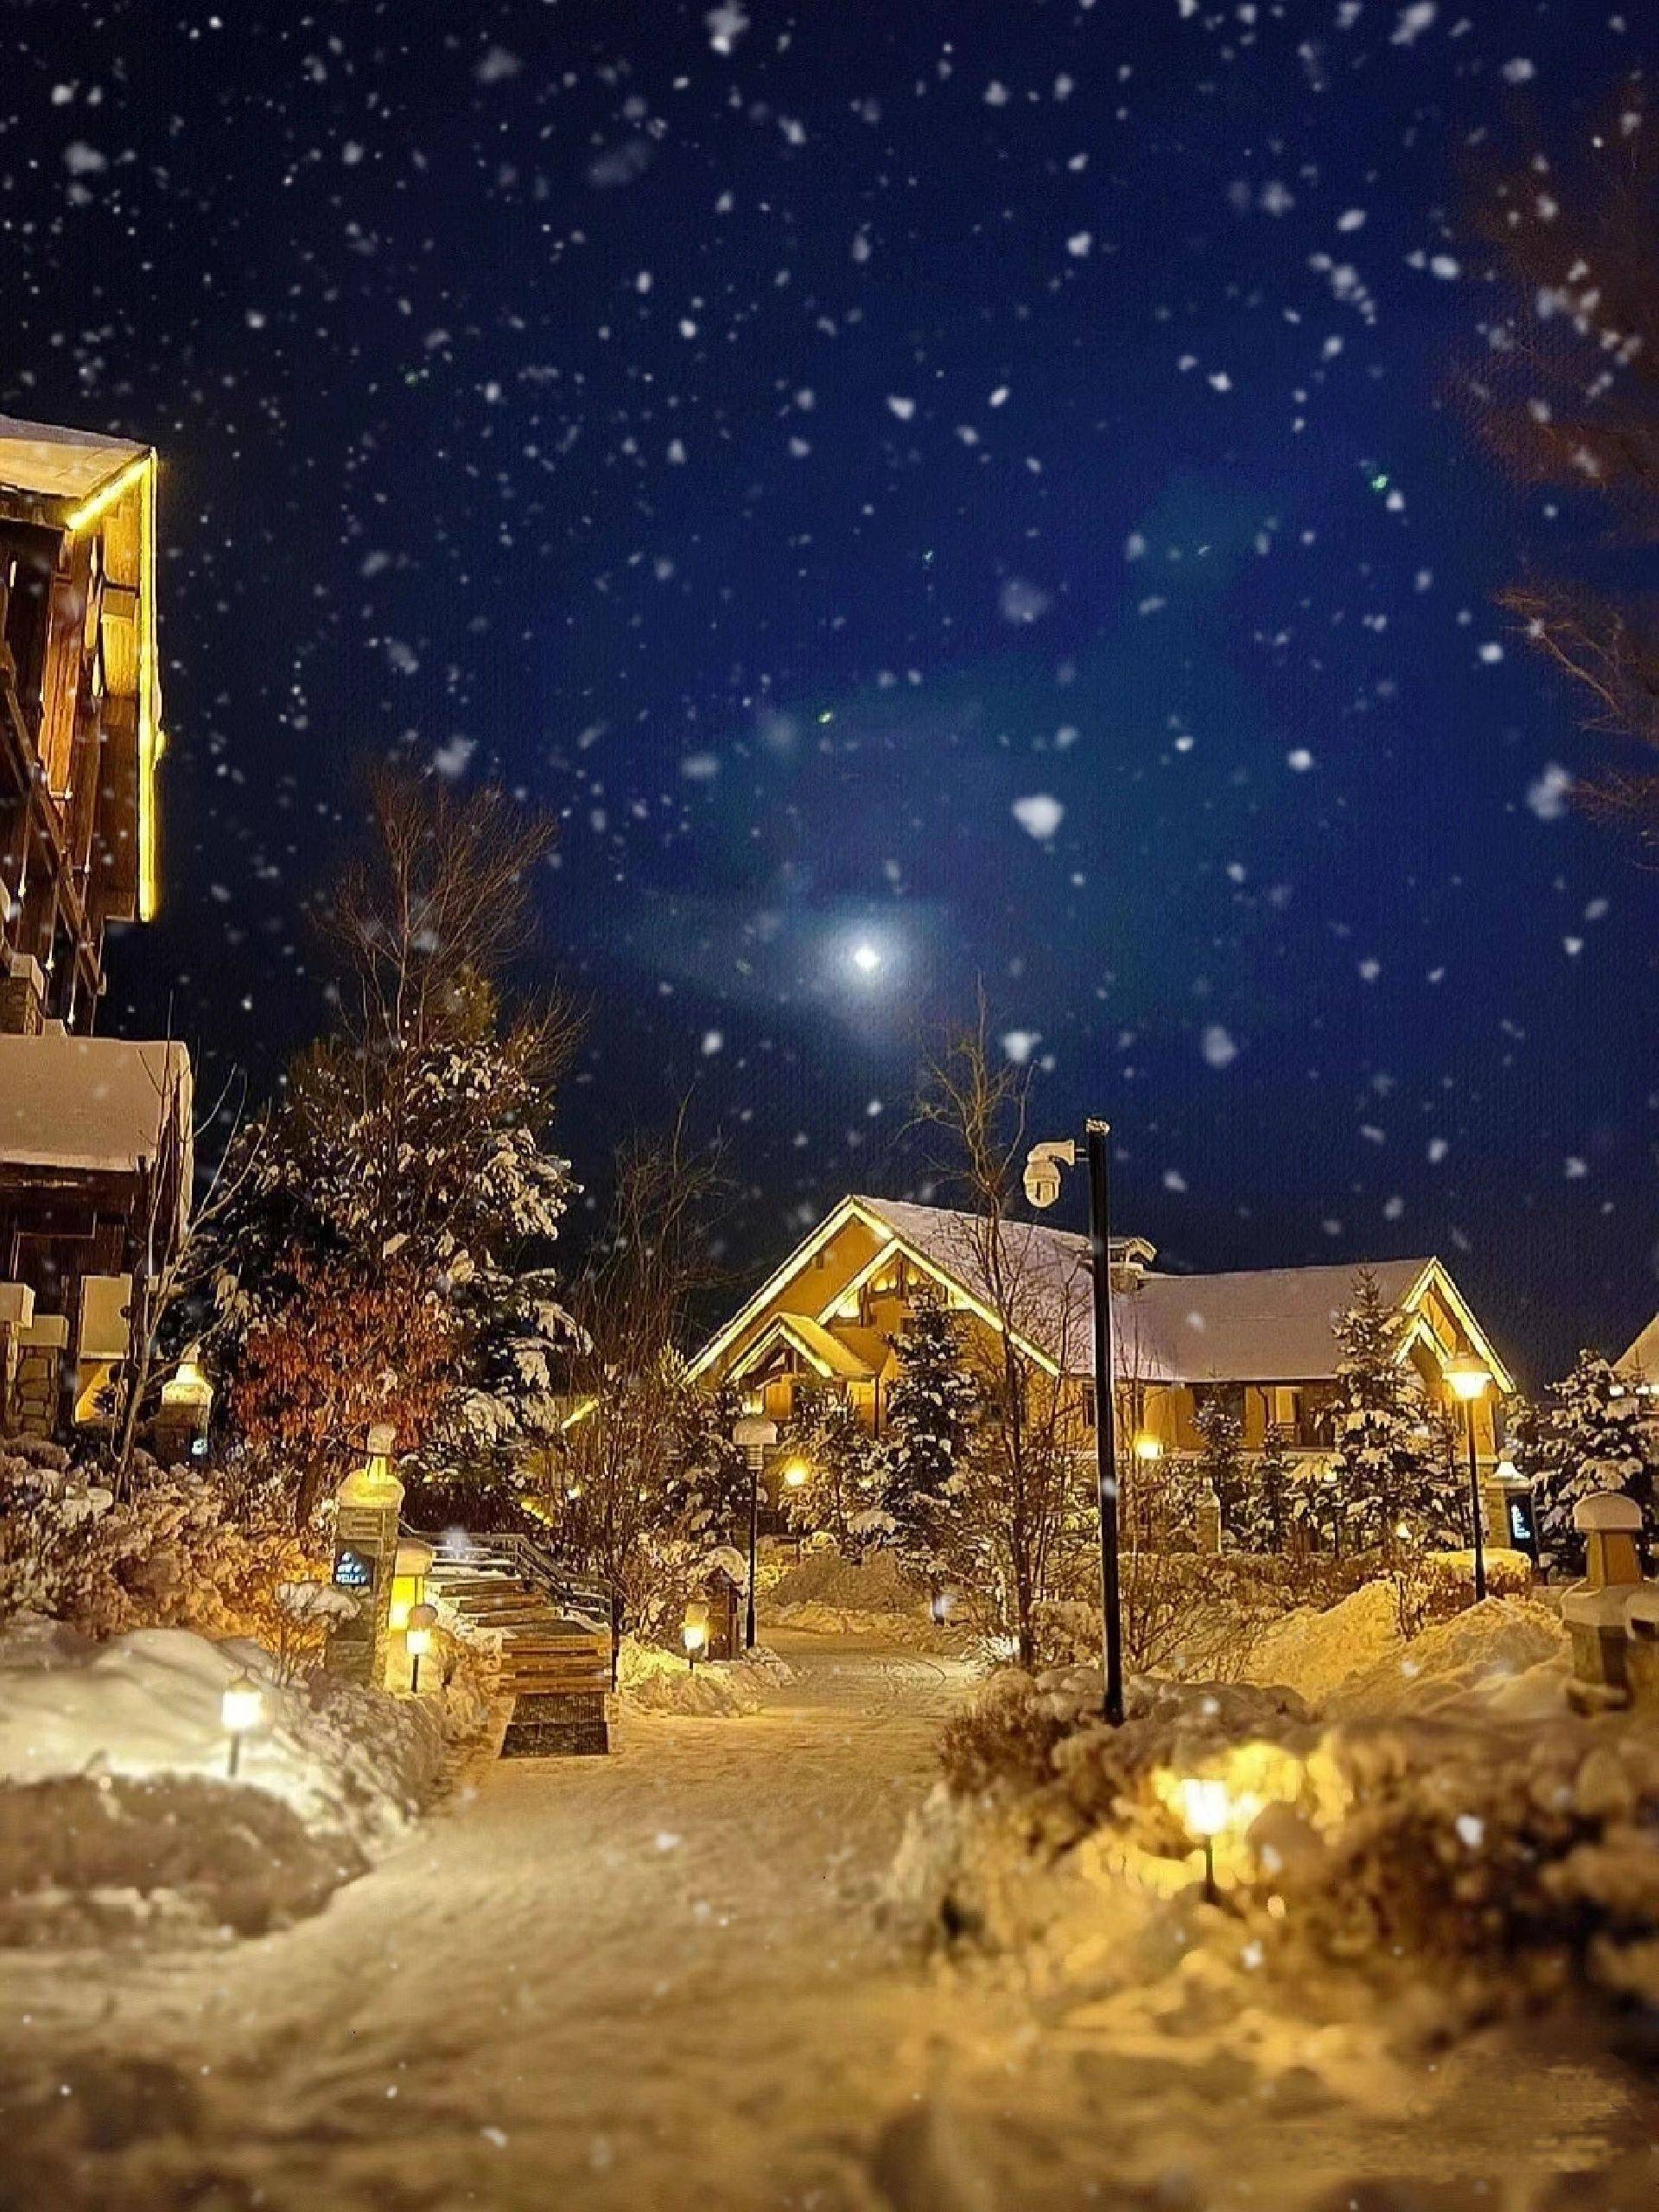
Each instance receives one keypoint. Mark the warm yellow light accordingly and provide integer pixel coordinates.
(397, 1617)
(89, 510)
(418, 1643)
(796, 1473)
(242, 1706)
(1204, 1804)
(1146, 1447)
(695, 1636)
(1468, 1376)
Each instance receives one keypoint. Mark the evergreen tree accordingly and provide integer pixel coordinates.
(1220, 1465)
(1596, 1436)
(931, 1412)
(1263, 1510)
(840, 1495)
(1388, 1476)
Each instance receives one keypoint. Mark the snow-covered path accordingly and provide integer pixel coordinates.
(655, 1980)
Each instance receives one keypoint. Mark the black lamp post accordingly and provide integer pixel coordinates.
(753, 1434)
(1042, 1180)
(1469, 1377)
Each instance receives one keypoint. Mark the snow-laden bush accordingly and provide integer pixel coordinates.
(169, 1554)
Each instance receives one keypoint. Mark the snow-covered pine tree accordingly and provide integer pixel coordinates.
(840, 1495)
(930, 1411)
(1262, 1512)
(1387, 1474)
(1220, 1464)
(1594, 1434)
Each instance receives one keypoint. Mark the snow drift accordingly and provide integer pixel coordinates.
(113, 1763)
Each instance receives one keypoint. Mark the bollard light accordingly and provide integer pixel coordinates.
(695, 1632)
(1204, 1807)
(417, 1641)
(240, 1708)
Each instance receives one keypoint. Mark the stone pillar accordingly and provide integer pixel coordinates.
(1593, 1610)
(366, 1561)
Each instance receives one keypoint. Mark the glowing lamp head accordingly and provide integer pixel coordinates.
(1205, 1805)
(694, 1635)
(1148, 1447)
(1468, 1376)
(243, 1705)
(795, 1474)
(422, 1619)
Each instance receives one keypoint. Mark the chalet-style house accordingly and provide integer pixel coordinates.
(95, 1146)
(830, 1315)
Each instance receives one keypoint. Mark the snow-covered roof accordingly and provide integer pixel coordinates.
(1640, 1361)
(99, 1104)
(1264, 1325)
(48, 462)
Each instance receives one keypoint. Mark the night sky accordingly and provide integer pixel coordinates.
(923, 494)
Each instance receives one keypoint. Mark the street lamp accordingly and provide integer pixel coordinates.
(754, 1435)
(1205, 1807)
(1042, 1181)
(1469, 1378)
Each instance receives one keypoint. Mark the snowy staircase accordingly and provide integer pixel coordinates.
(554, 1638)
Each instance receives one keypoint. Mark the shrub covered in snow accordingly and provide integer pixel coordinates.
(169, 1554)
(652, 1680)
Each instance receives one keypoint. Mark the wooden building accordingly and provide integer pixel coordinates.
(81, 713)
(95, 1144)
(832, 1317)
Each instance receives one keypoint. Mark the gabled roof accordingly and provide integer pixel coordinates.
(827, 1353)
(1270, 1324)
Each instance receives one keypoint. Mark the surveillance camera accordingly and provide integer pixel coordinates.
(1043, 1166)
(1042, 1183)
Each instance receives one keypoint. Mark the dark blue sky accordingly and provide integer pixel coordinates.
(902, 477)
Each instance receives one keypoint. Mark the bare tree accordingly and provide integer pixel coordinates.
(1568, 398)
(1023, 1496)
(646, 1472)
(177, 1242)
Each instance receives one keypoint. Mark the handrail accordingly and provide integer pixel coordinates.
(507, 1550)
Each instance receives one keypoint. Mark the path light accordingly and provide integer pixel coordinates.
(1148, 1447)
(1469, 1378)
(241, 1707)
(695, 1633)
(422, 1619)
(1205, 1807)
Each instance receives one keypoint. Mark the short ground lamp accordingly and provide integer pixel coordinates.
(417, 1642)
(695, 1632)
(365, 1560)
(240, 1708)
(1206, 1806)
(1469, 1379)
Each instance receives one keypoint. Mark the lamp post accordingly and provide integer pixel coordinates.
(753, 1434)
(1469, 1377)
(1042, 1181)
